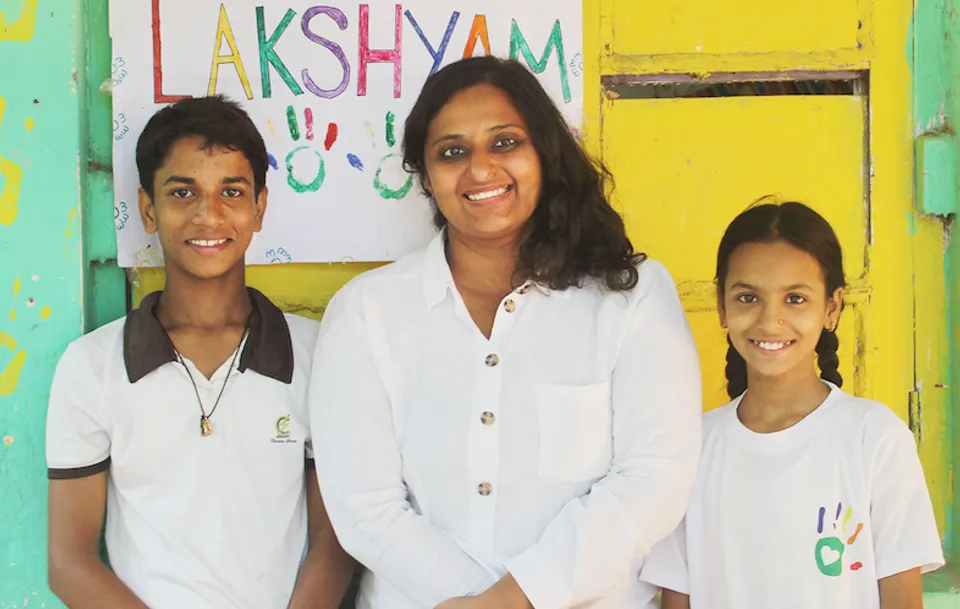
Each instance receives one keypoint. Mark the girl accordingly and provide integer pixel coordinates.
(806, 497)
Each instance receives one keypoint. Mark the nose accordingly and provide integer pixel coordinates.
(209, 212)
(482, 165)
(770, 315)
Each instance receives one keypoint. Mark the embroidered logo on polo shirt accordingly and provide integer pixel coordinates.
(283, 425)
(283, 431)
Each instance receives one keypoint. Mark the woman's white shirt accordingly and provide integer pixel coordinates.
(560, 449)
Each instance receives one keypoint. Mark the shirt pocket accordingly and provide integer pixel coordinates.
(576, 438)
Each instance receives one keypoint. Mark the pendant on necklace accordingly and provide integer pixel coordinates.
(205, 427)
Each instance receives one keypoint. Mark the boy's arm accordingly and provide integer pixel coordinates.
(76, 574)
(327, 569)
(675, 600)
(901, 591)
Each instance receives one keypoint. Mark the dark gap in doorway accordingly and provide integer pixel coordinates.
(744, 84)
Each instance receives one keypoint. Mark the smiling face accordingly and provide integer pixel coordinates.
(481, 165)
(204, 209)
(775, 306)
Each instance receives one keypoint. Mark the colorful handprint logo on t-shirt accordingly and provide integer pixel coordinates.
(829, 550)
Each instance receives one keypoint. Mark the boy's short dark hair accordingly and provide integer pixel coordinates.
(220, 122)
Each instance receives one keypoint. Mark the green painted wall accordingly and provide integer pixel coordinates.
(935, 63)
(46, 112)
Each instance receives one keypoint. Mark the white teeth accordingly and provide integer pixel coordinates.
(206, 243)
(480, 196)
(770, 346)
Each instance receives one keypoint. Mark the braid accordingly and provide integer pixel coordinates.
(736, 371)
(827, 357)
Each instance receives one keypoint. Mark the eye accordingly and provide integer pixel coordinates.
(505, 143)
(796, 299)
(232, 193)
(453, 152)
(180, 193)
(746, 298)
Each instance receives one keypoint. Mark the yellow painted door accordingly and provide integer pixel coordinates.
(685, 166)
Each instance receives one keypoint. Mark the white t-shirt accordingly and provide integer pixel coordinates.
(811, 516)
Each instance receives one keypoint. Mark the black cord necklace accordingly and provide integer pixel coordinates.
(206, 428)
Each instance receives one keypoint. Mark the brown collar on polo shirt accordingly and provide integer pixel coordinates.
(268, 350)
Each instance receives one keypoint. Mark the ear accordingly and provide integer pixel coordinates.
(834, 307)
(148, 213)
(426, 185)
(259, 209)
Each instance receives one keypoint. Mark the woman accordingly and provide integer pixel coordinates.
(511, 417)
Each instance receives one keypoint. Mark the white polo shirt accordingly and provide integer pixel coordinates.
(192, 522)
(560, 450)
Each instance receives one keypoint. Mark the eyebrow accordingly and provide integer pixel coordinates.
(796, 286)
(456, 136)
(191, 181)
(448, 137)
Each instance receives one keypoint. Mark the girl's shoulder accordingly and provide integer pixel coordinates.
(870, 417)
(715, 420)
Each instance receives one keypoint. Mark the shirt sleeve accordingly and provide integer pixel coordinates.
(657, 405)
(359, 469)
(78, 424)
(666, 565)
(901, 514)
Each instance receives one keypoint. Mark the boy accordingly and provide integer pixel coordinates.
(186, 421)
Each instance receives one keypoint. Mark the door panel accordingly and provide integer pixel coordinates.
(733, 26)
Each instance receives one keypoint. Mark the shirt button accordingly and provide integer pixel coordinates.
(484, 488)
(492, 360)
(510, 306)
(487, 418)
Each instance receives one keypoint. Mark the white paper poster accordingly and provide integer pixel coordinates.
(329, 87)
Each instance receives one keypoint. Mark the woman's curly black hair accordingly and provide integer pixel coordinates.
(573, 233)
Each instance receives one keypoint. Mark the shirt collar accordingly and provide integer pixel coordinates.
(268, 350)
(437, 279)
